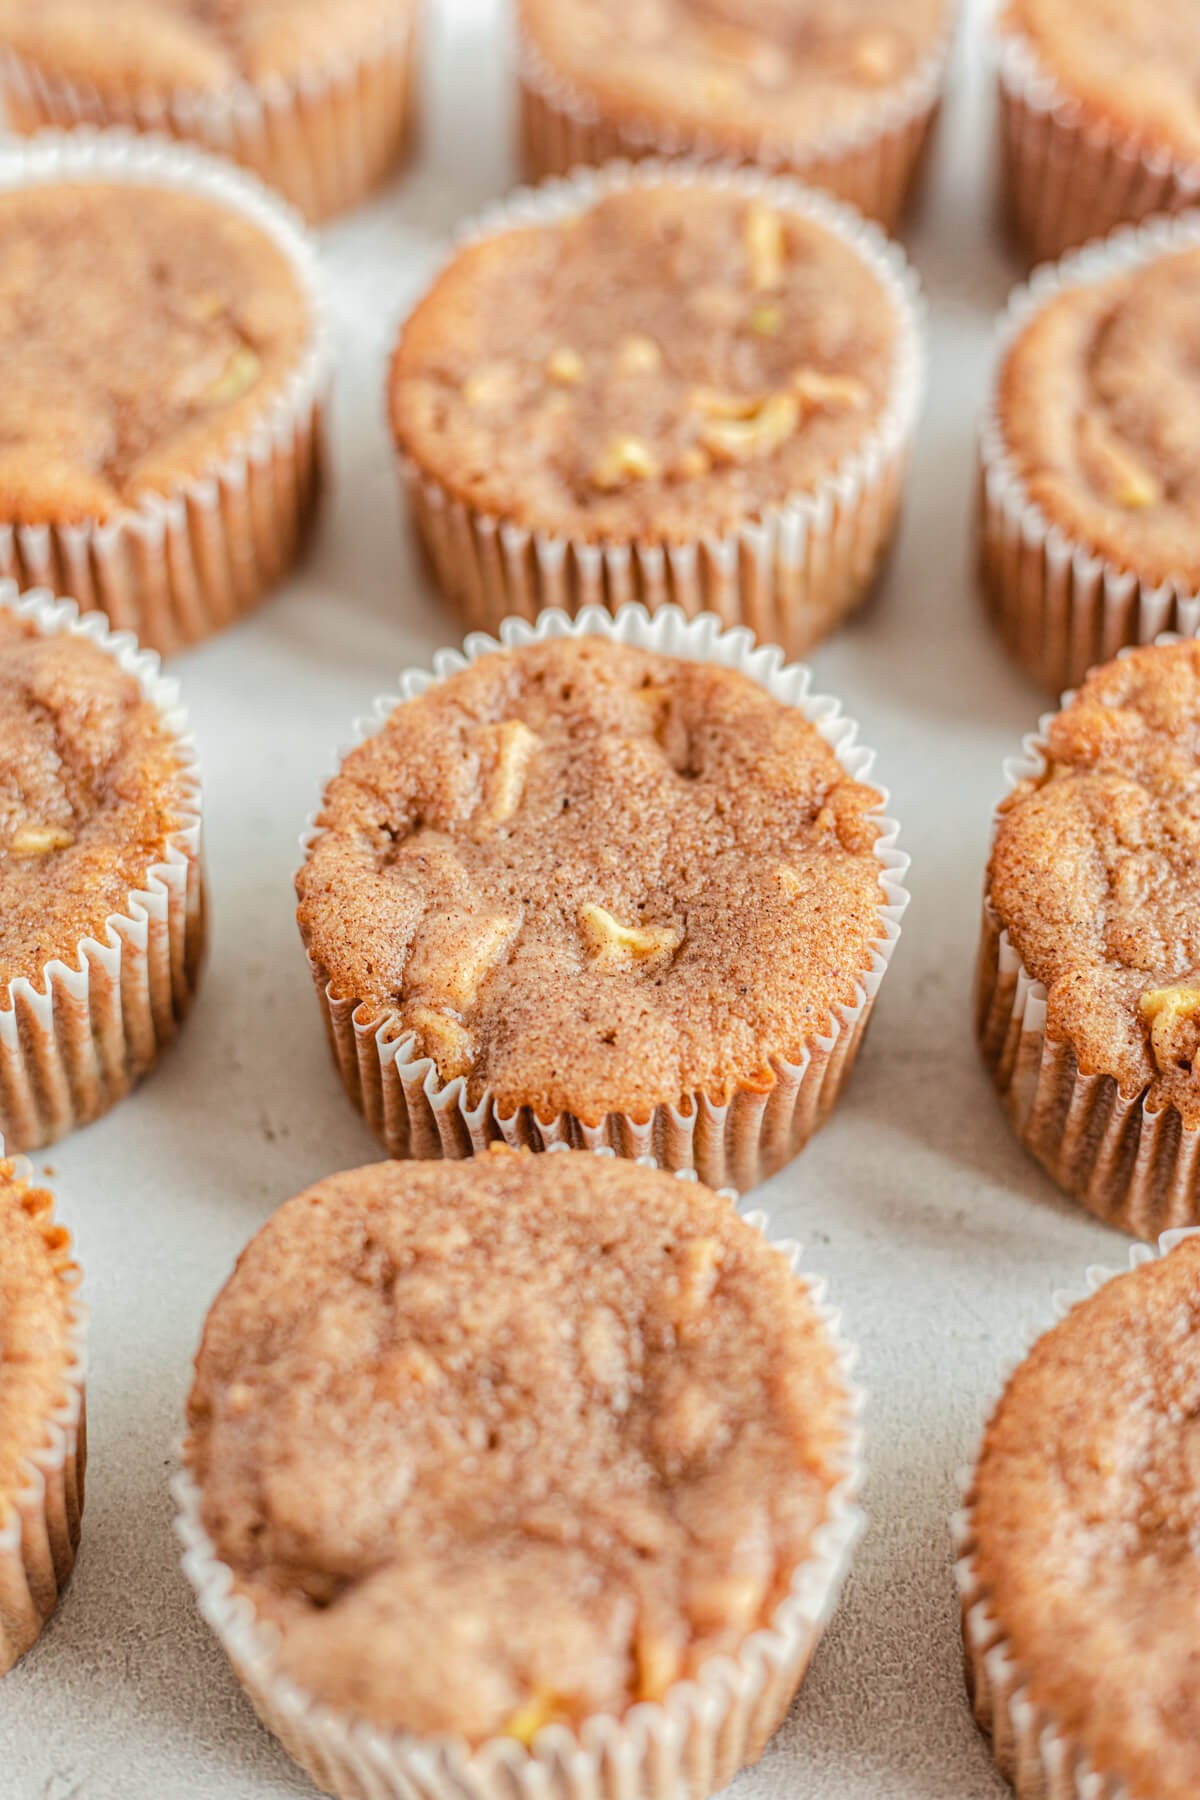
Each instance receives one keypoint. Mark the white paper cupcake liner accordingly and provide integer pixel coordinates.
(322, 141)
(874, 166)
(176, 568)
(1067, 175)
(39, 1532)
(77, 1041)
(1058, 605)
(689, 1744)
(793, 572)
(1031, 1748)
(1130, 1165)
(414, 1113)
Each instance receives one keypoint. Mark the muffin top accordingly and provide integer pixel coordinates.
(790, 73)
(511, 1441)
(1087, 1515)
(91, 788)
(596, 879)
(37, 1284)
(1095, 873)
(1133, 64)
(664, 364)
(1099, 408)
(142, 331)
(134, 46)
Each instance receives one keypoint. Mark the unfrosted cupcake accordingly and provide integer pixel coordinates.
(582, 891)
(843, 95)
(1090, 532)
(1089, 999)
(1100, 116)
(315, 96)
(1078, 1562)
(662, 384)
(546, 1477)
(101, 882)
(42, 1435)
(164, 365)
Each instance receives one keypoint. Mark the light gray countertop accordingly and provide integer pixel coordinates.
(942, 1242)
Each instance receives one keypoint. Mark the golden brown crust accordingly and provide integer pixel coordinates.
(37, 1283)
(144, 331)
(595, 879)
(737, 73)
(514, 1440)
(669, 363)
(91, 788)
(1098, 403)
(1133, 65)
(1087, 1520)
(127, 47)
(1095, 874)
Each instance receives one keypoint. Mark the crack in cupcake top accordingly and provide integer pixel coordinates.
(1134, 64)
(131, 47)
(789, 72)
(1087, 1516)
(1099, 409)
(1095, 874)
(91, 788)
(595, 879)
(144, 331)
(513, 1441)
(37, 1282)
(668, 363)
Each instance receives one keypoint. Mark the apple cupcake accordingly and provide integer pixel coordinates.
(546, 1483)
(313, 96)
(845, 97)
(662, 384)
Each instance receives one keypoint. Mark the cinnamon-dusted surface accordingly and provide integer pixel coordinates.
(142, 332)
(1134, 65)
(738, 72)
(1099, 407)
(37, 1280)
(1096, 875)
(596, 879)
(668, 363)
(126, 47)
(1088, 1519)
(91, 788)
(510, 1441)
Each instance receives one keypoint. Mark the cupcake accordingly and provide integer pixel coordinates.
(1099, 116)
(843, 96)
(314, 96)
(583, 891)
(1090, 529)
(543, 1484)
(1089, 971)
(101, 886)
(42, 1436)
(1078, 1564)
(164, 363)
(661, 384)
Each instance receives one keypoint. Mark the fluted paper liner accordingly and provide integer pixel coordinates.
(1031, 1748)
(322, 140)
(175, 568)
(39, 1531)
(793, 571)
(739, 1142)
(1067, 174)
(1059, 606)
(682, 1748)
(874, 165)
(1132, 1166)
(75, 1042)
